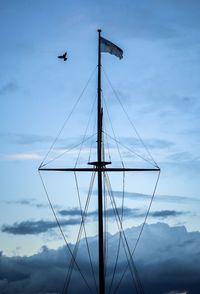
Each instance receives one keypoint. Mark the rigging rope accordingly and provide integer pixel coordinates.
(86, 129)
(73, 260)
(66, 151)
(119, 243)
(130, 150)
(122, 237)
(62, 233)
(126, 113)
(113, 131)
(124, 241)
(142, 228)
(68, 117)
(91, 145)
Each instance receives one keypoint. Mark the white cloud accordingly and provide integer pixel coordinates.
(21, 156)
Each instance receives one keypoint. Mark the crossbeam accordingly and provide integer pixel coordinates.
(102, 169)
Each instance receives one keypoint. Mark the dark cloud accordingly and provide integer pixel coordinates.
(36, 227)
(70, 212)
(41, 226)
(164, 259)
(166, 213)
(109, 213)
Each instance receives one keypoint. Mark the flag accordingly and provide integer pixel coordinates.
(107, 46)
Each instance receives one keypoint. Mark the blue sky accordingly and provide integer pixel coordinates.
(157, 81)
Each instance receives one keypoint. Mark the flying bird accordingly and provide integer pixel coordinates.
(64, 56)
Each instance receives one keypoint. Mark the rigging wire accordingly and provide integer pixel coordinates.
(68, 117)
(68, 150)
(105, 229)
(62, 233)
(73, 260)
(104, 133)
(124, 241)
(86, 129)
(119, 243)
(112, 128)
(130, 150)
(119, 219)
(92, 142)
(83, 217)
(141, 231)
(131, 122)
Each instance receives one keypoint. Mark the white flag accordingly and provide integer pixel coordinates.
(107, 46)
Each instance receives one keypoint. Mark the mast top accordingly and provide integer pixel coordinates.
(99, 30)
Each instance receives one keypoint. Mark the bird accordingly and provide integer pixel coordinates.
(64, 56)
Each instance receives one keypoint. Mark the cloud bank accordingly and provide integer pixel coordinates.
(33, 227)
(167, 259)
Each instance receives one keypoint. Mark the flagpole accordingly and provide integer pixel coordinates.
(100, 164)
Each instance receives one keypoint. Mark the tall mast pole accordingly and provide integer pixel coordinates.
(100, 165)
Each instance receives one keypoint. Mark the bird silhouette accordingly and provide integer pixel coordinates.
(64, 56)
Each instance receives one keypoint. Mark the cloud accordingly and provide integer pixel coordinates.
(30, 227)
(21, 156)
(164, 259)
(182, 157)
(166, 213)
(36, 227)
(151, 143)
(127, 212)
(28, 202)
(159, 198)
(29, 139)
(70, 212)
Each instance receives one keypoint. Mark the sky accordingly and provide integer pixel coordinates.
(157, 82)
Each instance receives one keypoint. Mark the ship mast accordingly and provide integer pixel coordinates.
(100, 168)
(100, 164)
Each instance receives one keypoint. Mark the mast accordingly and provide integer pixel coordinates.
(99, 164)
(100, 168)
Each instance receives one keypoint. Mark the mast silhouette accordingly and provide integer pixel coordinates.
(99, 166)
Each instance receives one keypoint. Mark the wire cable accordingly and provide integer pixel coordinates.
(85, 133)
(66, 284)
(112, 128)
(142, 228)
(126, 113)
(66, 151)
(119, 243)
(130, 150)
(124, 240)
(62, 233)
(68, 117)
